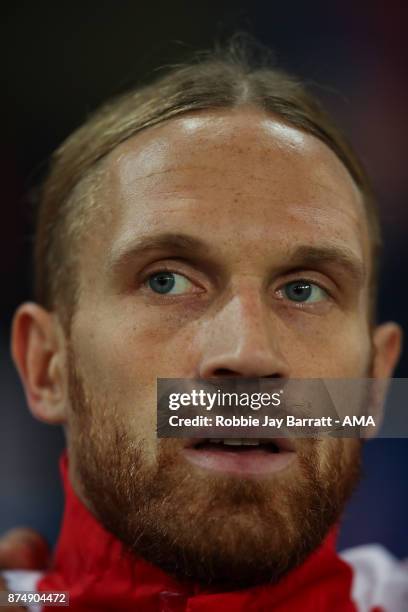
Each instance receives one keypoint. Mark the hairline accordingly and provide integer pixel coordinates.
(88, 185)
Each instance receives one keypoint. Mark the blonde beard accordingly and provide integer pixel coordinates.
(214, 529)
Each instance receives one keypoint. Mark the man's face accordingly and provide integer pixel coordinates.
(203, 227)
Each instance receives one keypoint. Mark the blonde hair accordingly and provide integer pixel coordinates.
(223, 79)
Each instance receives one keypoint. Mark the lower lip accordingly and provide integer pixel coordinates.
(254, 462)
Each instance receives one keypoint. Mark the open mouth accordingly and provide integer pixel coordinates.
(241, 456)
(237, 444)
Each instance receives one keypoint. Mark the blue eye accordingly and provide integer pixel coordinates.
(304, 291)
(168, 283)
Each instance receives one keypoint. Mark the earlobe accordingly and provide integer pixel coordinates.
(387, 344)
(39, 354)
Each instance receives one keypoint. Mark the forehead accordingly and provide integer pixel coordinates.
(232, 176)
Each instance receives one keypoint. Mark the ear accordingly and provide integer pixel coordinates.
(387, 344)
(38, 350)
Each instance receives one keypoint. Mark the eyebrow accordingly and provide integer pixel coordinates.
(179, 244)
(320, 256)
(184, 245)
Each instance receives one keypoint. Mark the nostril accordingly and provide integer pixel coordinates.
(225, 372)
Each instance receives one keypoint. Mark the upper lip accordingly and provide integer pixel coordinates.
(283, 444)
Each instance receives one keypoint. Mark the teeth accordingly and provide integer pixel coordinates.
(244, 442)
(232, 442)
(236, 441)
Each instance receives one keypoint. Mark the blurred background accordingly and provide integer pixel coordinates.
(60, 60)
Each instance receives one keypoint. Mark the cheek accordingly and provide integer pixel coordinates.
(120, 358)
(338, 348)
(133, 346)
(338, 457)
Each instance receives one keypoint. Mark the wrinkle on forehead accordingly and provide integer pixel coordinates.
(230, 169)
(246, 134)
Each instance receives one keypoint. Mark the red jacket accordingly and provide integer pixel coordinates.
(101, 575)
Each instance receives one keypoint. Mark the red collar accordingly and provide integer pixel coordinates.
(100, 575)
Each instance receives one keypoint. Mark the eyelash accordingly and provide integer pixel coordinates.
(170, 270)
(303, 279)
(298, 305)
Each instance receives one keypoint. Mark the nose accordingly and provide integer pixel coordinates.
(242, 340)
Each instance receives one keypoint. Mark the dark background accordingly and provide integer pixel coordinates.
(59, 60)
